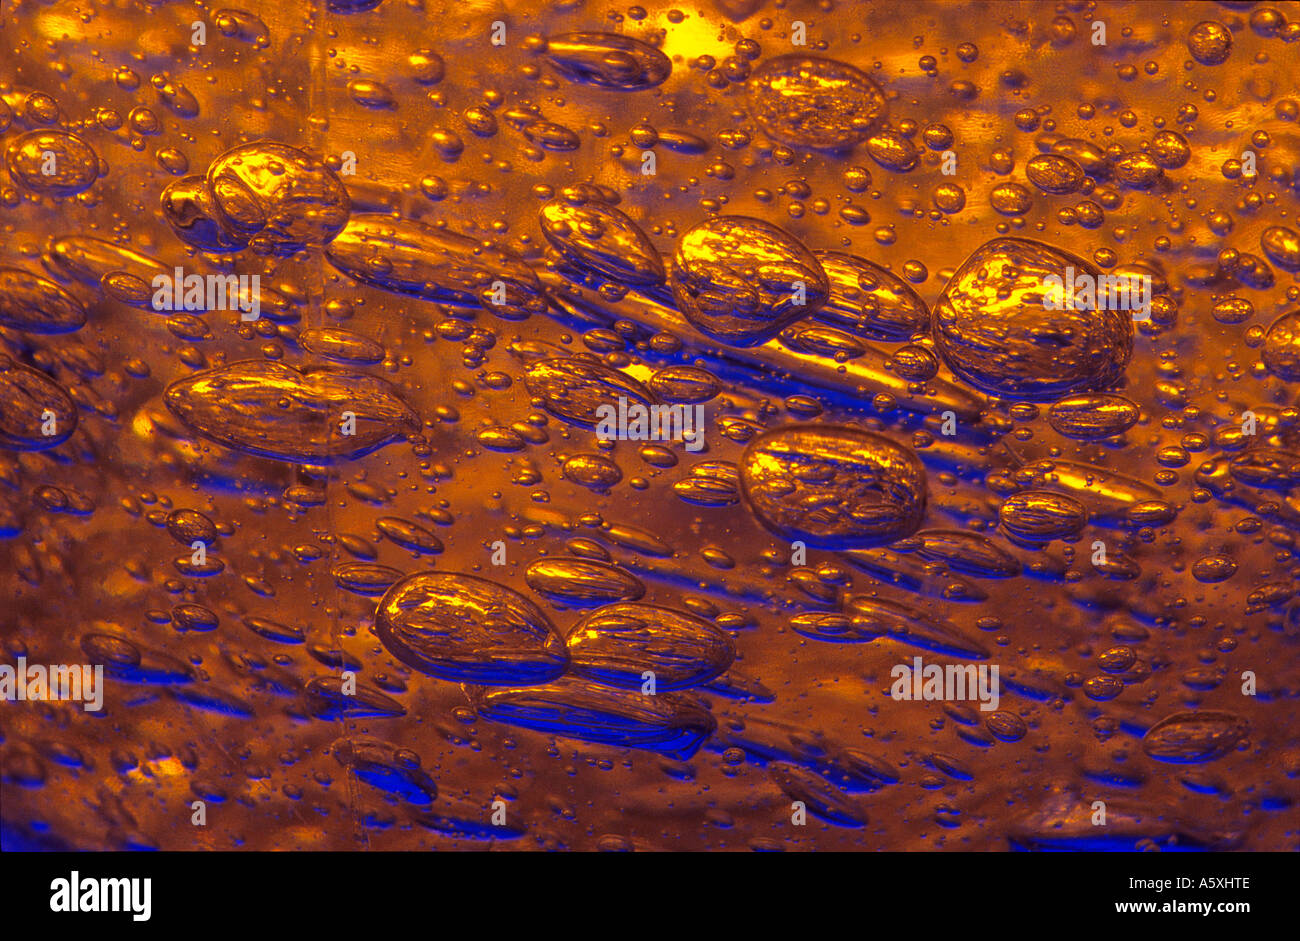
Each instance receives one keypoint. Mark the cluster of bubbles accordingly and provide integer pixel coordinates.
(893, 411)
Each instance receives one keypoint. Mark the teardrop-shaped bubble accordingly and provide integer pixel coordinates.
(365, 578)
(827, 342)
(582, 391)
(969, 553)
(1053, 173)
(1091, 415)
(110, 650)
(866, 619)
(1270, 468)
(465, 827)
(243, 26)
(819, 796)
(551, 136)
(179, 99)
(601, 239)
(673, 724)
(341, 346)
(1190, 737)
(408, 535)
(188, 208)
(274, 631)
(315, 416)
(52, 162)
(607, 60)
(833, 486)
(387, 767)
(33, 304)
(711, 483)
(88, 261)
(130, 662)
(467, 629)
(639, 540)
(278, 198)
(412, 258)
(766, 740)
(1006, 726)
(915, 575)
(736, 685)
(808, 101)
(1085, 154)
(1137, 171)
(893, 150)
(741, 281)
(194, 617)
(35, 411)
(1040, 516)
(211, 698)
(688, 384)
(1109, 496)
(619, 643)
(331, 698)
(597, 471)
(870, 302)
(190, 526)
(995, 327)
(1282, 246)
(582, 582)
(370, 93)
(830, 626)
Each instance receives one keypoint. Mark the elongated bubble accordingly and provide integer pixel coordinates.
(467, 629)
(833, 486)
(671, 723)
(994, 325)
(315, 416)
(36, 413)
(813, 102)
(412, 258)
(741, 280)
(619, 644)
(34, 304)
(607, 60)
(601, 239)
